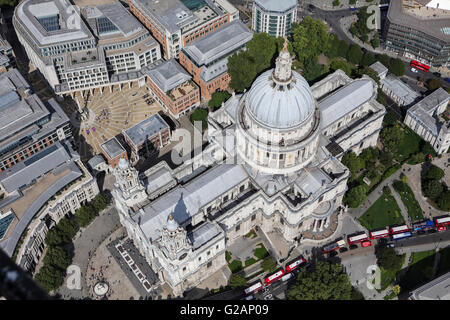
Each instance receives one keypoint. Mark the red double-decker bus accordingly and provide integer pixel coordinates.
(379, 234)
(357, 238)
(442, 221)
(295, 264)
(274, 277)
(399, 229)
(418, 65)
(330, 247)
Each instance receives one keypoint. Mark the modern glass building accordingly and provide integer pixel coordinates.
(274, 17)
(419, 31)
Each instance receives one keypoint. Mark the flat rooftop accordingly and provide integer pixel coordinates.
(219, 43)
(277, 5)
(51, 14)
(168, 75)
(437, 289)
(146, 129)
(47, 172)
(112, 148)
(435, 26)
(400, 89)
(379, 68)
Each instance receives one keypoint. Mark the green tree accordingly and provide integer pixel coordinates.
(332, 50)
(342, 64)
(386, 158)
(313, 69)
(49, 277)
(353, 162)
(10, 3)
(53, 237)
(368, 59)
(432, 189)
(444, 201)
(391, 137)
(355, 54)
(384, 59)
(371, 73)
(356, 196)
(397, 67)
(100, 202)
(217, 98)
(327, 282)
(351, 2)
(433, 173)
(68, 228)
(343, 49)
(200, 114)
(389, 119)
(370, 154)
(309, 38)
(262, 48)
(336, 3)
(388, 259)
(237, 281)
(375, 41)
(268, 265)
(85, 215)
(433, 84)
(242, 70)
(57, 257)
(396, 289)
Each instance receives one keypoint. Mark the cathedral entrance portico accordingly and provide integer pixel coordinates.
(322, 228)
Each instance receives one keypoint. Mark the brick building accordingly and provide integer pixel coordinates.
(113, 151)
(173, 87)
(147, 136)
(176, 23)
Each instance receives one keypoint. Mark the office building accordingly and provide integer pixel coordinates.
(274, 17)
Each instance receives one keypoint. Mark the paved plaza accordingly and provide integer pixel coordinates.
(109, 114)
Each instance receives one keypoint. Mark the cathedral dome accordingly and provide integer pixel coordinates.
(280, 98)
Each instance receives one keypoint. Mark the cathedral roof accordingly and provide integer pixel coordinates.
(280, 98)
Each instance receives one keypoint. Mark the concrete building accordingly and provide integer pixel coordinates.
(380, 69)
(397, 90)
(176, 23)
(436, 289)
(113, 151)
(425, 118)
(268, 165)
(27, 125)
(147, 136)
(419, 29)
(206, 59)
(84, 46)
(173, 88)
(7, 60)
(274, 17)
(51, 183)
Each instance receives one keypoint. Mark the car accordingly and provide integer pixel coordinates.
(414, 70)
(343, 249)
(420, 232)
(366, 244)
(437, 74)
(332, 254)
(441, 228)
(353, 246)
(447, 80)
(249, 298)
(432, 231)
(390, 245)
(382, 241)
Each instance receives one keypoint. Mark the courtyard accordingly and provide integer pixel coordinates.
(109, 114)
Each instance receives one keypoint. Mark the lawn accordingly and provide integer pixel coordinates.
(382, 213)
(261, 251)
(409, 145)
(420, 270)
(408, 199)
(235, 266)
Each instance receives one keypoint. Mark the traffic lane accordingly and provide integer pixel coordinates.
(438, 239)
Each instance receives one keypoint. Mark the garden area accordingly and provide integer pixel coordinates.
(400, 145)
(420, 270)
(390, 264)
(384, 212)
(408, 199)
(434, 189)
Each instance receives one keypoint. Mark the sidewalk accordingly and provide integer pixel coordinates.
(343, 4)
